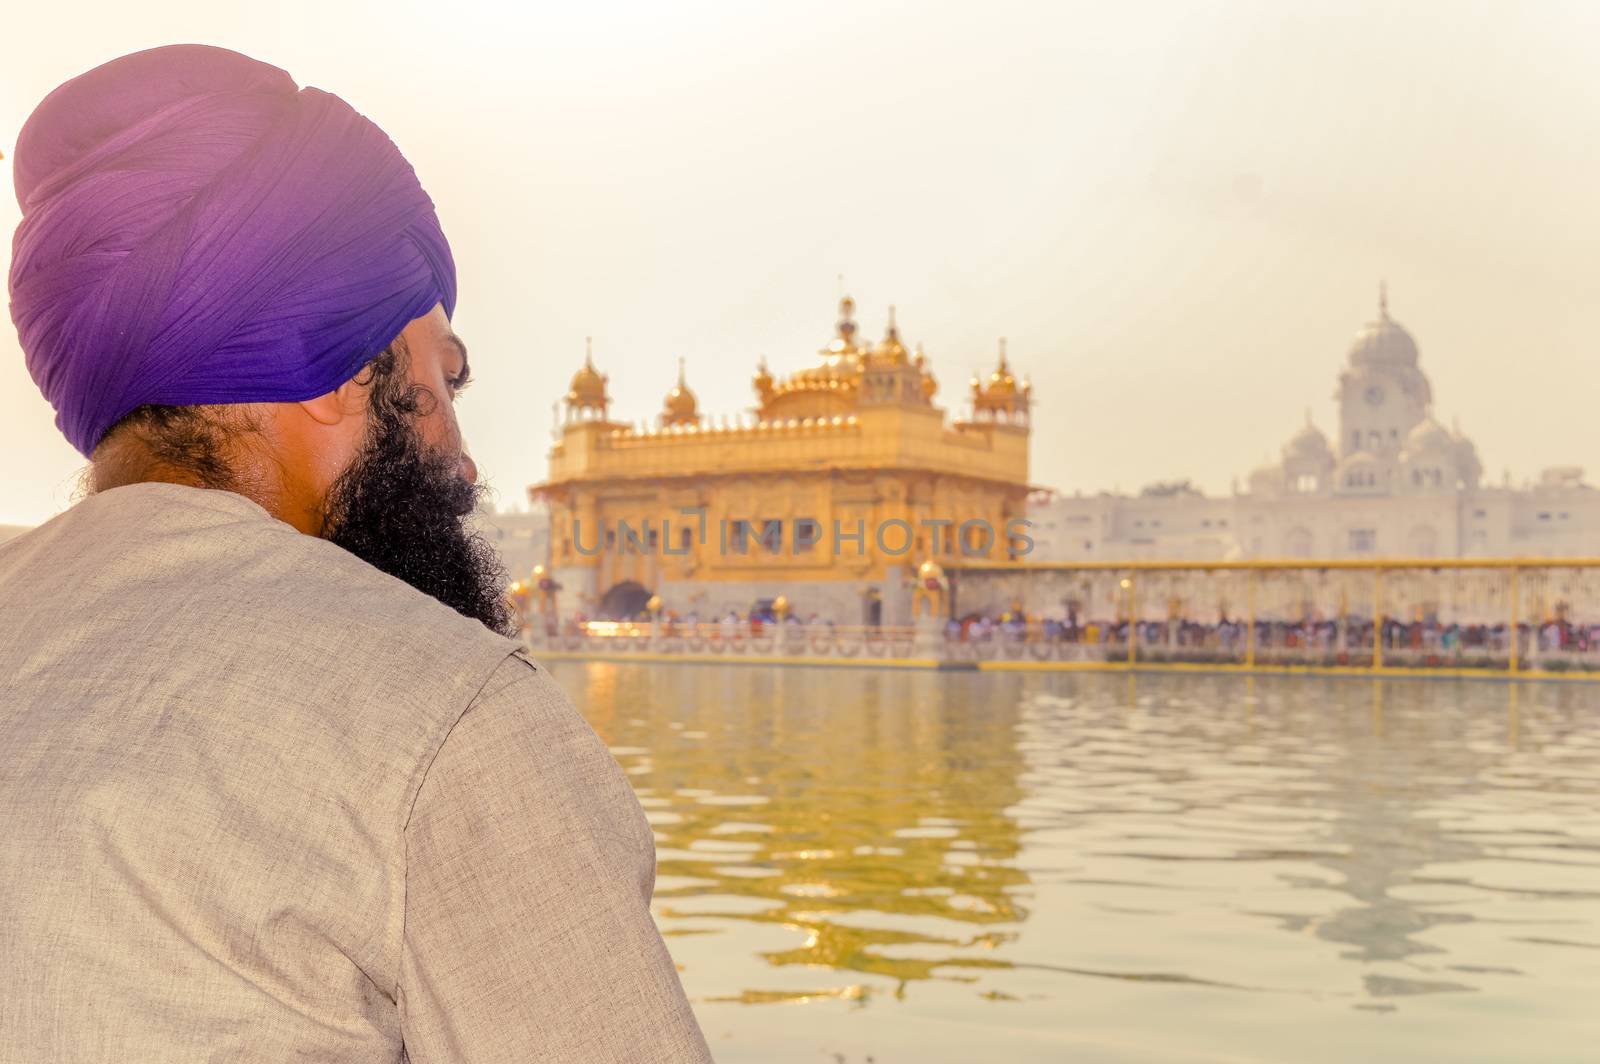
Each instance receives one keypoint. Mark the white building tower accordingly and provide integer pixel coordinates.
(1382, 395)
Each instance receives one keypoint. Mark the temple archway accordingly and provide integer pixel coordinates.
(624, 601)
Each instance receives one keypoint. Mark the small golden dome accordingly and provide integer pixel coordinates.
(680, 407)
(1001, 392)
(930, 385)
(588, 388)
(890, 349)
(1001, 382)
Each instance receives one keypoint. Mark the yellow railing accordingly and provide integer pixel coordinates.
(1506, 615)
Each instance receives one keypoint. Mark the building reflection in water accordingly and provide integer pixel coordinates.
(867, 813)
(1341, 843)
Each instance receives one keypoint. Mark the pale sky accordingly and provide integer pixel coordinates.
(1177, 213)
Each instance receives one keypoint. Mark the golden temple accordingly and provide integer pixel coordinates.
(843, 477)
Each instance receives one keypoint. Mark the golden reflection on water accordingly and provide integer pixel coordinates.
(889, 797)
(1034, 853)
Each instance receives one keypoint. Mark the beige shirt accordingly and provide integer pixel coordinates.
(260, 802)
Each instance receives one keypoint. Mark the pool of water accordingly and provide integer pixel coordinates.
(887, 866)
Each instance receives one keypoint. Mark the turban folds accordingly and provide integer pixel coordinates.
(197, 229)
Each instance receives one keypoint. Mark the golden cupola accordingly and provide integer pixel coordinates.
(1002, 393)
(891, 375)
(680, 407)
(826, 390)
(890, 351)
(587, 393)
(850, 376)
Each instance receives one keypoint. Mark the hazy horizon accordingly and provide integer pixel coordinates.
(1178, 219)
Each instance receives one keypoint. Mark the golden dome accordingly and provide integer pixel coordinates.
(890, 350)
(588, 388)
(1002, 391)
(1001, 382)
(680, 407)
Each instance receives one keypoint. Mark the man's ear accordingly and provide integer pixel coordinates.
(330, 408)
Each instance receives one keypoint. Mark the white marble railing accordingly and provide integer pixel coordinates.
(731, 640)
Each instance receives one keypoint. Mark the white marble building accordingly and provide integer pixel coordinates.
(1393, 483)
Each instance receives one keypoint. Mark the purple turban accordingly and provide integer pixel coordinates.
(195, 229)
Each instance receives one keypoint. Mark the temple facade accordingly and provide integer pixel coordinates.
(830, 491)
(1393, 482)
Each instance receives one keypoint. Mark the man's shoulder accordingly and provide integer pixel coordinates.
(214, 561)
(304, 579)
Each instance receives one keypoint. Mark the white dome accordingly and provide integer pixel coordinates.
(1428, 438)
(1383, 342)
(1308, 443)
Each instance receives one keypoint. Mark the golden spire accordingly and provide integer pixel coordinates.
(842, 348)
(846, 325)
(681, 407)
(588, 389)
(1001, 381)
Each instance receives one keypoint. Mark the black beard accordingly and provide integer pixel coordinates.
(401, 508)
